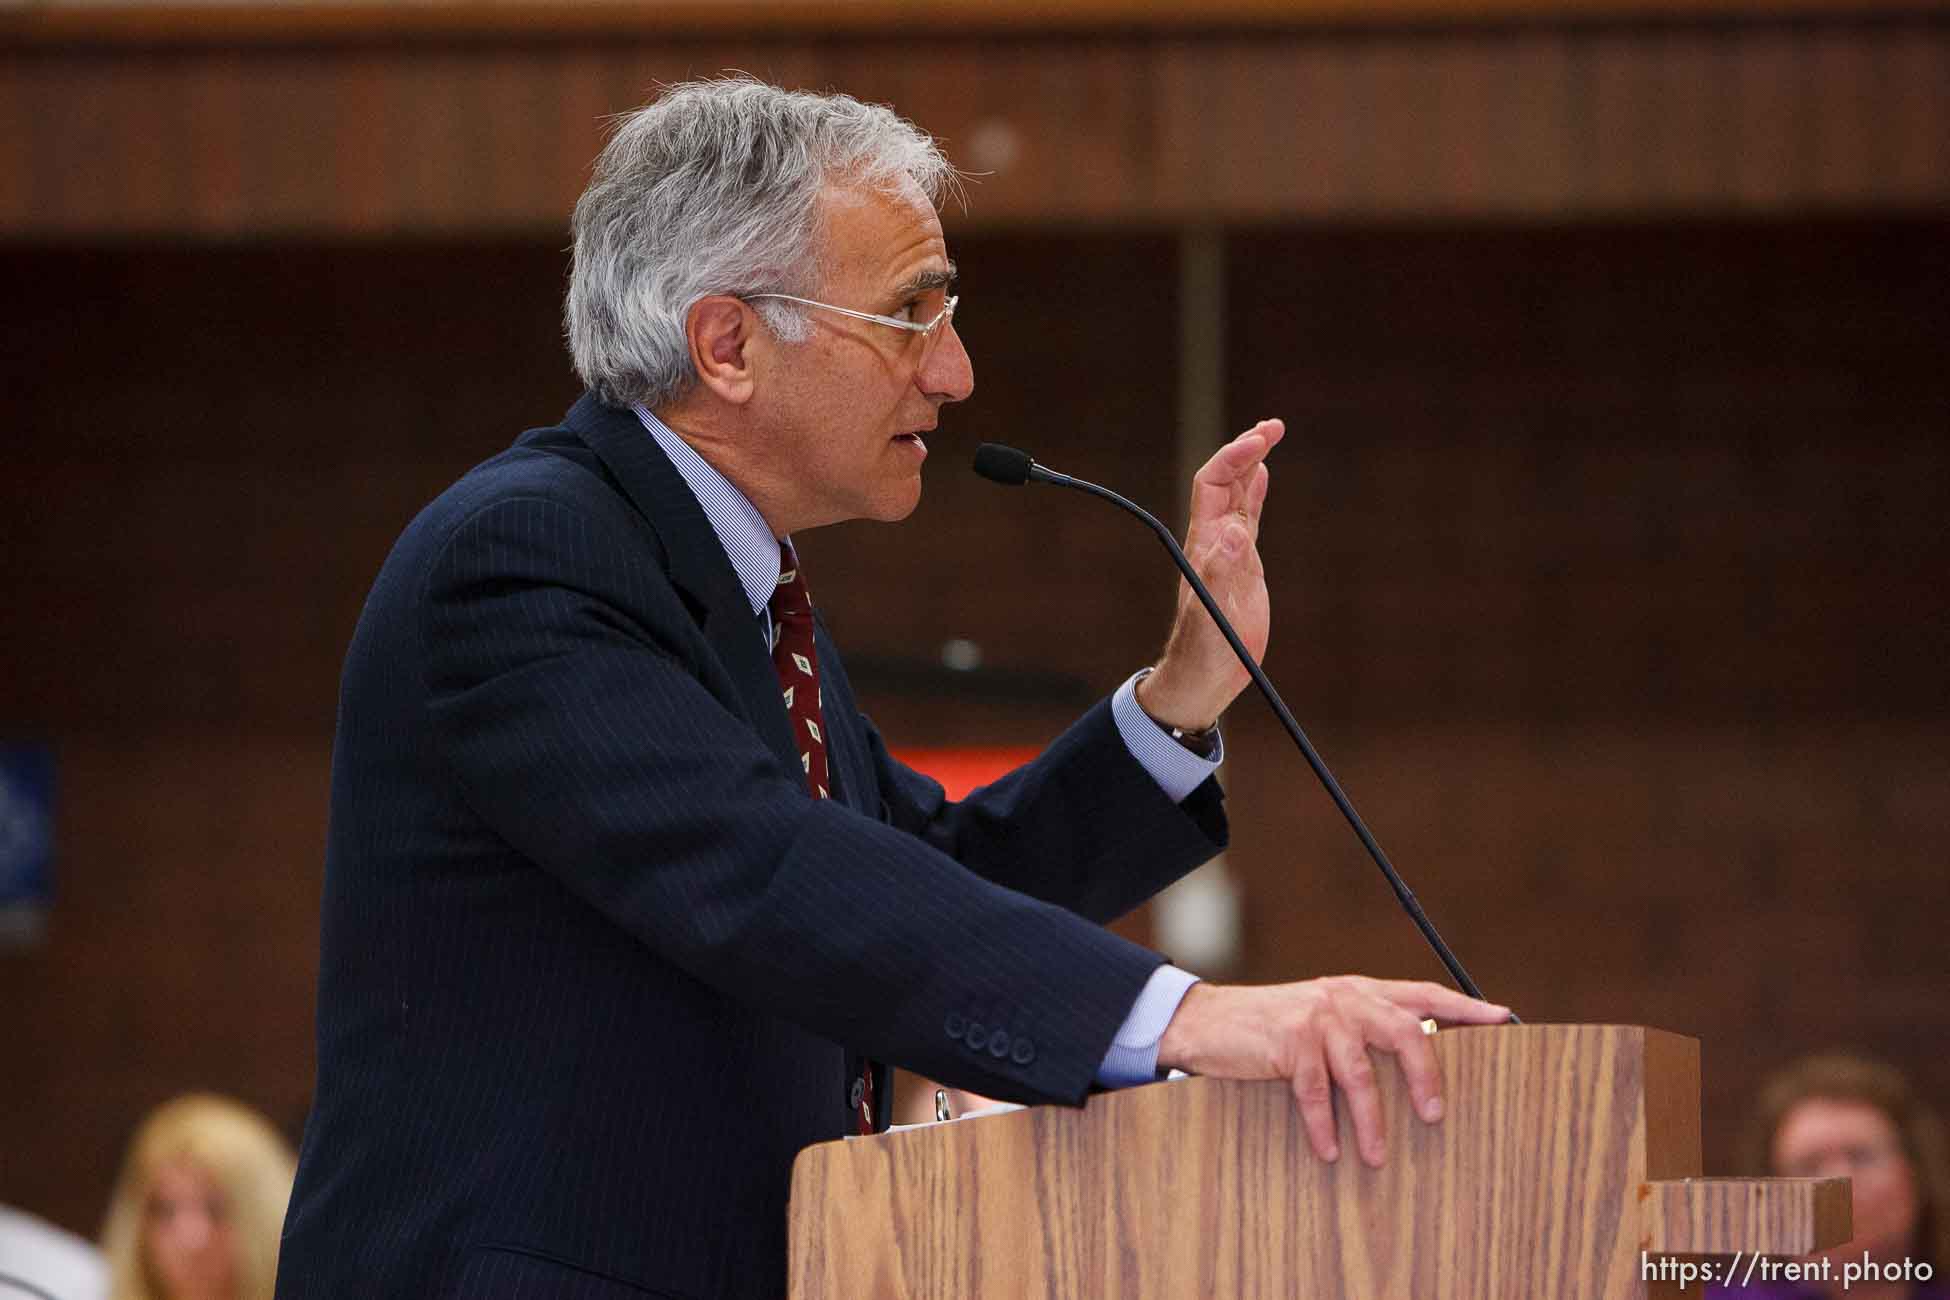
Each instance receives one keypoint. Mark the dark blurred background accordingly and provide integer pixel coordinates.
(1607, 547)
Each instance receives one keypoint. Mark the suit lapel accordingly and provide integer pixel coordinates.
(698, 564)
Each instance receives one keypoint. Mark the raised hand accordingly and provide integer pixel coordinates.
(1198, 675)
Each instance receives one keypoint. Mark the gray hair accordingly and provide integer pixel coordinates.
(714, 188)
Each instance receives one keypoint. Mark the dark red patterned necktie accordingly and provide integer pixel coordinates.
(797, 663)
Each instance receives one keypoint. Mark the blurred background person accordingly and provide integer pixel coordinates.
(199, 1204)
(1839, 1116)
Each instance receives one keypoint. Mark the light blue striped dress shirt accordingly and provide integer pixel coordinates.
(754, 555)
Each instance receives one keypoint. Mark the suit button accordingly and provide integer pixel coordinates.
(956, 1024)
(999, 1044)
(856, 1094)
(1023, 1053)
(977, 1036)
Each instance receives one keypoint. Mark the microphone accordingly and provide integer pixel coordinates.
(1013, 468)
(1005, 465)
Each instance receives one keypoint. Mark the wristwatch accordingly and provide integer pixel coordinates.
(1203, 743)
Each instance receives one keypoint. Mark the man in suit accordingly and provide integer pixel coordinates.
(624, 898)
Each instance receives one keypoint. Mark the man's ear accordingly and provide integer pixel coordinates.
(720, 332)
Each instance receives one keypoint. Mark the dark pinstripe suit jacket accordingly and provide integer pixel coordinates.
(594, 963)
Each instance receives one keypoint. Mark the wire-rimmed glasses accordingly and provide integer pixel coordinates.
(928, 330)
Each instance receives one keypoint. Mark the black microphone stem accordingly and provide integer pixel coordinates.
(1333, 787)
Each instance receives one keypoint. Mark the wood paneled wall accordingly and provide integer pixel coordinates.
(181, 22)
(1607, 564)
(1612, 562)
(393, 132)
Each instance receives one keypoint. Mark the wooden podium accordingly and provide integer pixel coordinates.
(1566, 1169)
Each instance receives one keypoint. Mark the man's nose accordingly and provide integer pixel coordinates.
(947, 373)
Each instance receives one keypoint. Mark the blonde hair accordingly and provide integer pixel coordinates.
(241, 1152)
(1840, 1077)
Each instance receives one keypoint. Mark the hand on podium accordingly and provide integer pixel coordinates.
(1316, 1034)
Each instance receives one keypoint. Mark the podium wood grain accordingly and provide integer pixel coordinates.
(1768, 1216)
(1536, 1184)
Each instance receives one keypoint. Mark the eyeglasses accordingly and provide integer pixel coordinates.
(929, 330)
(1849, 1159)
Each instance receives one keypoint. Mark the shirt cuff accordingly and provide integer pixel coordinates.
(1133, 1054)
(1177, 770)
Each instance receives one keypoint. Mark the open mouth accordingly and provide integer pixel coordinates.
(912, 440)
